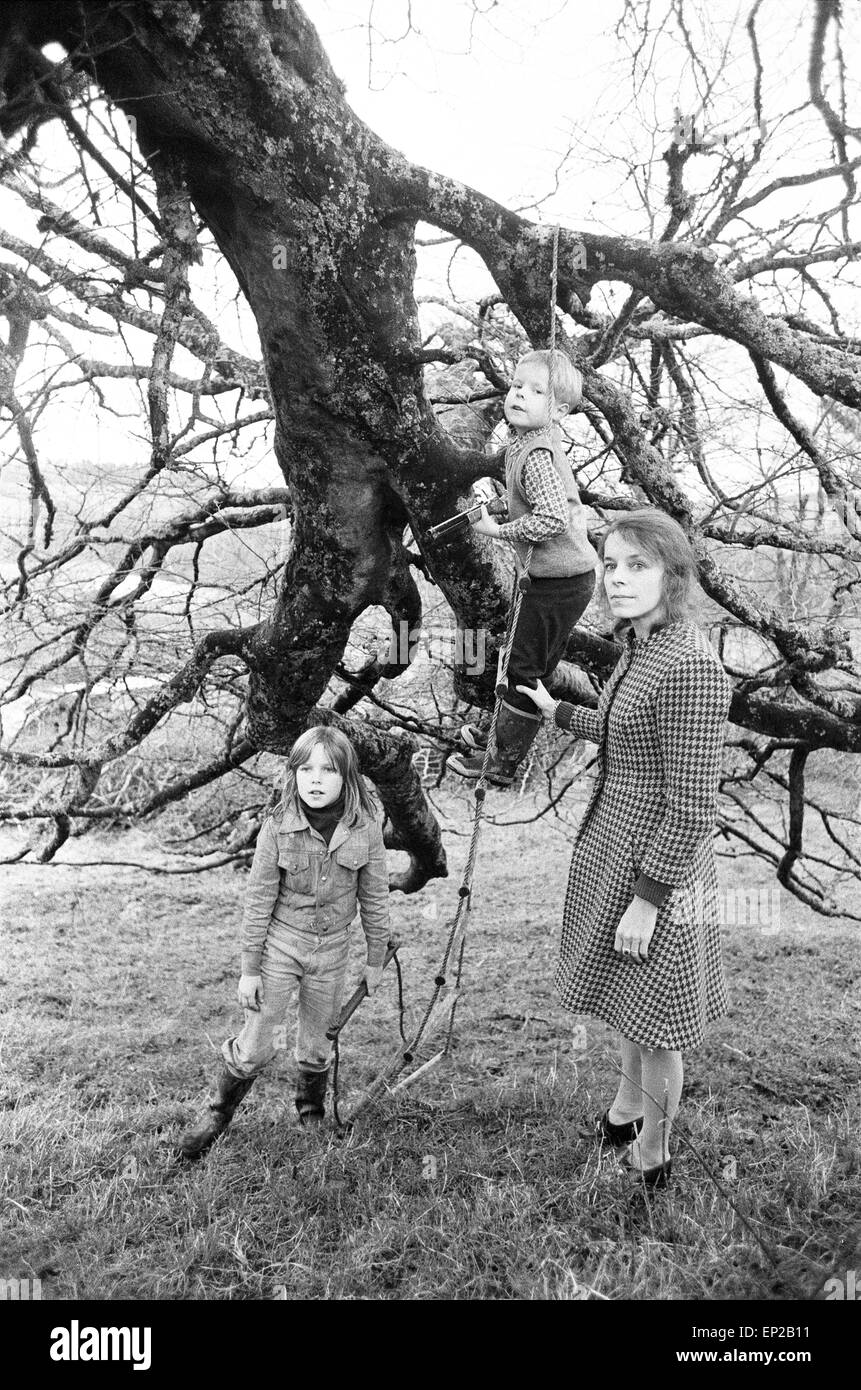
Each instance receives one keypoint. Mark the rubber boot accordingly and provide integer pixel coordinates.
(229, 1091)
(475, 736)
(311, 1096)
(515, 730)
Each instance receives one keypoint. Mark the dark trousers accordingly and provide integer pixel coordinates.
(550, 609)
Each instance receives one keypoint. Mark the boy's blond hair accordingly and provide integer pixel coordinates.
(567, 379)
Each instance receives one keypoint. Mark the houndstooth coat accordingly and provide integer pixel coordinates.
(648, 829)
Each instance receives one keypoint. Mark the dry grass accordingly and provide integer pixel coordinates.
(484, 1182)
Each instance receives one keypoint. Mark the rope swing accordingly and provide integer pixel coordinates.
(439, 1016)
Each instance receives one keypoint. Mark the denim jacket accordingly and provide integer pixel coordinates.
(299, 881)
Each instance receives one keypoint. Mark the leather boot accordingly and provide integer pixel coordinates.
(311, 1095)
(515, 730)
(229, 1091)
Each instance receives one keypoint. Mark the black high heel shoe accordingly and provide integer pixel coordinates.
(617, 1134)
(656, 1177)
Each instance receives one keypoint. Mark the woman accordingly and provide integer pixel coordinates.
(640, 938)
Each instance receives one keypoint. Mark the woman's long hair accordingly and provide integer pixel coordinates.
(358, 804)
(664, 540)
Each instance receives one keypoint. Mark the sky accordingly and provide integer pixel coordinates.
(488, 99)
(498, 102)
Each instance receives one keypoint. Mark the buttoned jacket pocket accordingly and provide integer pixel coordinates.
(354, 852)
(294, 862)
(346, 862)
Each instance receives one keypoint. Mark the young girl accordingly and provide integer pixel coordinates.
(320, 850)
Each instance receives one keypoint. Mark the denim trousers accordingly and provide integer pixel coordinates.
(306, 964)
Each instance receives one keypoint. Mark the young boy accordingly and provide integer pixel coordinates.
(545, 511)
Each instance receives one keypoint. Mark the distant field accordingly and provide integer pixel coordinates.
(483, 1181)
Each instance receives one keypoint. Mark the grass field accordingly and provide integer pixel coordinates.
(483, 1181)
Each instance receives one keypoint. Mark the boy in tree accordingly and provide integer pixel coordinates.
(545, 511)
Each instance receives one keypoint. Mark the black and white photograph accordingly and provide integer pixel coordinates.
(430, 667)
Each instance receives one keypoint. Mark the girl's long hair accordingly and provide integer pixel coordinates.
(358, 804)
(664, 540)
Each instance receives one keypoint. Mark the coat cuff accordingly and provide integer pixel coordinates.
(652, 890)
(562, 714)
(251, 962)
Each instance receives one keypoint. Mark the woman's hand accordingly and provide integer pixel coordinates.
(250, 992)
(635, 930)
(372, 976)
(485, 526)
(540, 697)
